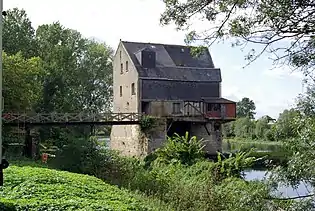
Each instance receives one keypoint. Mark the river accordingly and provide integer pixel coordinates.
(253, 174)
(282, 191)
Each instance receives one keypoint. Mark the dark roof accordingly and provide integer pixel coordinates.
(216, 100)
(182, 73)
(175, 62)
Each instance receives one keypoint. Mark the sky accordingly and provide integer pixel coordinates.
(272, 89)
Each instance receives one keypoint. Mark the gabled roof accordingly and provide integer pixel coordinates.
(174, 62)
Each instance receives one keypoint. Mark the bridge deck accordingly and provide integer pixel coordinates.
(13, 119)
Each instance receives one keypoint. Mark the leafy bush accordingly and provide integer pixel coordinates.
(80, 155)
(183, 149)
(233, 166)
(147, 123)
(34, 189)
(195, 187)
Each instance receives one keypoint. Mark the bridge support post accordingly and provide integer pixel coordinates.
(92, 130)
(28, 143)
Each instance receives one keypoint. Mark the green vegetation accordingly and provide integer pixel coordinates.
(38, 188)
(148, 123)
(183, 149)
(201, 185)
(53, 69)
(264, 129)
(56, 69)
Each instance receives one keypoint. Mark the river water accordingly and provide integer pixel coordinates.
(282, 191)
(253, 174)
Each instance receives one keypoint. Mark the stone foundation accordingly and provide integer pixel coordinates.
(129, 140)
(125, 139)
(212, 142)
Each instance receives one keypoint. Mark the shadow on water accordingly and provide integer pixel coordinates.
(274, 155)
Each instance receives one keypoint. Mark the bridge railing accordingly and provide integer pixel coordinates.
(42, 118)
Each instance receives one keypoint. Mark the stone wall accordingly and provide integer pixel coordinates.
(212, 142)
(125, 138)
(157, 136)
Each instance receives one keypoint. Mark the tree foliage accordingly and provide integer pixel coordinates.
(284, 28)
(286, 125)
(54, 69)
(244, 128)
(306, 101)
(80, 71)
(245, 108)
(261, 128)
(22, 82)
(18, 34)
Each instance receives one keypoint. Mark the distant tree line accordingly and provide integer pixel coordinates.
(264, 128)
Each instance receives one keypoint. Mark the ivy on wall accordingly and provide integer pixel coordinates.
(148, 123)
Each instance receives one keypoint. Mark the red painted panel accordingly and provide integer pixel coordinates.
(230, 110)
(213, 114)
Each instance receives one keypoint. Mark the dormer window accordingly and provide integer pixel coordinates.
(146, 58)
(121, 68)
(127, 66)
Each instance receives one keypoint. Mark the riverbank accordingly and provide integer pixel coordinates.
(271, 153)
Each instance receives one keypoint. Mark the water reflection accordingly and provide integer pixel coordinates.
(282, 191)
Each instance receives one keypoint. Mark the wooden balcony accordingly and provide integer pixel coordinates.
(218, 109)
(212, 109)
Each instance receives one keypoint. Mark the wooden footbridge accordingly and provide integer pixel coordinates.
(26, 121)
(31, 119)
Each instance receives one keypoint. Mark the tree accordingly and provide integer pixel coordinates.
(228, 130)
(94, 86)
(80, 71)
(244, 128)
(261, 128)
(18, 34)
(245, 108)
(286, 124)
(284, 28)
(22, 82)
(306, 102)
(60, 50)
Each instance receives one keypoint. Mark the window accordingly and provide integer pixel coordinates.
(213, 107)
(120, 54)
(133, 89)
(176, 108)
(120, 91)
(126, 66)
(121, 68)
(209, 107)
(216, 107)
